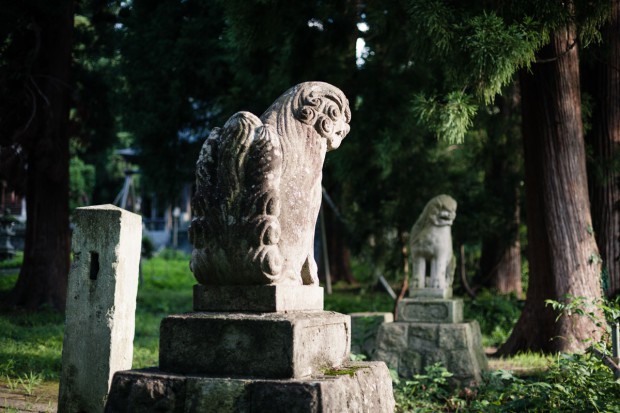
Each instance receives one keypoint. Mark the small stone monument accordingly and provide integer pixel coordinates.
(429, 325)
(101, 305)
(259, 339)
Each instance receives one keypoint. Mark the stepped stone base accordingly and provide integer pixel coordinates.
(258, 298)
(410, 347)
(269, 345)
(430, 310)
(355, 387)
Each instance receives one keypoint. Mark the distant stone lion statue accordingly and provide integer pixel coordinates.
(430, 246)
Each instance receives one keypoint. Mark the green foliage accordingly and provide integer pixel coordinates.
(31, 343)
(14, 262)
(571, 383)
(450, 118)
(496, 314)
(175, 74)
(477, 48)
(148, 248)
(424, 392)
(356, 300)
(81, 183)
(95, 107)
(524, 363)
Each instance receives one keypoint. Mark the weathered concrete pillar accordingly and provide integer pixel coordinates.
(101, 304)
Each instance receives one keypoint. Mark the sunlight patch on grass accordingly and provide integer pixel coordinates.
(526, 363)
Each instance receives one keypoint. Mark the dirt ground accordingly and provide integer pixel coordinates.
(17, 400)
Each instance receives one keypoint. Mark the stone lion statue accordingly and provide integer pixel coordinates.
(430, 246)
(258, 189)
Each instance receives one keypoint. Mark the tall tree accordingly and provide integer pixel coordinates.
(500, 39)
(35, 86)
(604, 139)
(175, 74)
(500, 258)
(562, 252)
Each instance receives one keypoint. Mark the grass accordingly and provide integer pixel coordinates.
(523, 364)
(14, 262)
(31, 343)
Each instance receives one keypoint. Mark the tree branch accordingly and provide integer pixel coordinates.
(607, 360)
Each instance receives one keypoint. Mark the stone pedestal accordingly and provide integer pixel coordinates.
(290, 360)
(428, 331)
(355, 387)
(269, 345)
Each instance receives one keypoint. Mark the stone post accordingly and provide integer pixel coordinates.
(101, 304)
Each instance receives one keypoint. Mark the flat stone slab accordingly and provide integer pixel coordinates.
(266, 345)
(410, 347)
(355, 387)
(430, 310)
(430, 292)
(259, 298)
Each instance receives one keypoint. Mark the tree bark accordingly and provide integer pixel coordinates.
(605, 140)
(500, 261)
(43, 277)
(500, 265)
(562, 252)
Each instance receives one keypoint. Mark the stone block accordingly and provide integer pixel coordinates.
(457, 336)
(422, 336)
(270, 345)
(364, 329)
(101, 304)
(410, 363)
(392, 336)
(355, 387)
(388, 356)
(430, 310)
(456, 346)
(258, 299)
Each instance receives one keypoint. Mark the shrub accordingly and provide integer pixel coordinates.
(496, 314)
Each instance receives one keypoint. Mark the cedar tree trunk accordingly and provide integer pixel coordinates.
(43, 277)
(500, 261)
(604, 140)
(562, 252)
